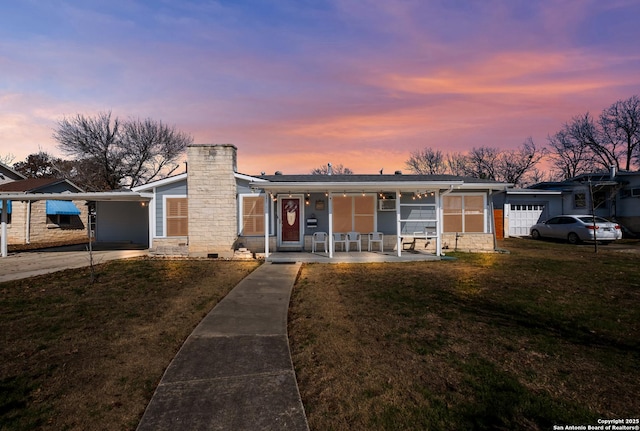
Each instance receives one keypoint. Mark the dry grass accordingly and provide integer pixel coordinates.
(80, 356)
(545, 335)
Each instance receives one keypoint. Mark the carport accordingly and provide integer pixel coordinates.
(120, 214)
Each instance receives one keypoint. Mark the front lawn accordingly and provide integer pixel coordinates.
(546, 335)
(81, 356)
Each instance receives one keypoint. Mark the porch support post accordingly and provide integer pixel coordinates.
(152, 218)
(398, 224)
(267, 224)
(330, 199)
(5, 217)
(438, 223)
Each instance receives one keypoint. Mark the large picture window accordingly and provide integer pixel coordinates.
(177, 216)
(252, 217)
(463, 213)
(354, 213)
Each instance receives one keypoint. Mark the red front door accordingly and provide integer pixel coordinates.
(290, 220)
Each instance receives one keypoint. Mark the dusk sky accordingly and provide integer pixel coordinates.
(295, 84)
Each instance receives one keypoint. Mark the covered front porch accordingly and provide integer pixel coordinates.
(411, 215)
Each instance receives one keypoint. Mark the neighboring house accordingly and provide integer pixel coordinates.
(612, 195)
(8, 175)
(43, 221)
(212, 210)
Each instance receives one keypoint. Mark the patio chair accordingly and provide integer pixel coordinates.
(355, 238)
(338, 238)
(376, 237)
(319, 238)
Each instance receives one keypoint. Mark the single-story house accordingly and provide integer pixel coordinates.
(614, 195)
(212, 210)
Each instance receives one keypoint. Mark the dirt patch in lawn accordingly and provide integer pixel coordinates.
(543, 336)
(81, 356)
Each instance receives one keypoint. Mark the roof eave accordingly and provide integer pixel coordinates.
(374, 187)
(96, 196)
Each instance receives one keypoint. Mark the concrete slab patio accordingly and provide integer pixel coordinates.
(234, 372)
(350, 257)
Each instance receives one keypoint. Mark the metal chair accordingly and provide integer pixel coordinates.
(376, 237)
(319, 238)
(356, 238)
(338, 238)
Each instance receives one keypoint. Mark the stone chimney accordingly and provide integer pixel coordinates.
(211, 189)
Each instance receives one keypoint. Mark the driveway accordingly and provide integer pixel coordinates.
(32, 263)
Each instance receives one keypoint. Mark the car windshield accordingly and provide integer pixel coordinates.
(589, 219)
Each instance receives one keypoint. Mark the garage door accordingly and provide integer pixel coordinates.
(522, 217)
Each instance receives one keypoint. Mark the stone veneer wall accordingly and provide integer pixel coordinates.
(471, 242)
(40, 232)
(256, 243)
(211, 187)
(173, 246)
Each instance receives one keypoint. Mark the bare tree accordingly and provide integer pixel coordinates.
(457, 164)
(7, 159)
(335, 170)
(483, 163)
(620, 125)
(568, 156)
(517, 166)
(613, 139)
(159, 144)
(125, 153)
(427, 162)
(512, 166)
(85, 173)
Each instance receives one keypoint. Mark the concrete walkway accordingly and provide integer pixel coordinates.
(234, 372)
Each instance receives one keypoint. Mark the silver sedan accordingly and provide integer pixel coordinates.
(576, 228)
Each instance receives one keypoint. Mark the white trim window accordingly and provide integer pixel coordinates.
(464, 213)
(251, 218)
(176, 216)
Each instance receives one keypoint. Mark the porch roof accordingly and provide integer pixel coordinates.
(372, 183)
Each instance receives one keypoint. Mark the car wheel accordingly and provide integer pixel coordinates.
(535, 234)
(573, 238)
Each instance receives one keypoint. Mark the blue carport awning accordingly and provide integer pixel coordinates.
(8, 206)
(62, 208)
